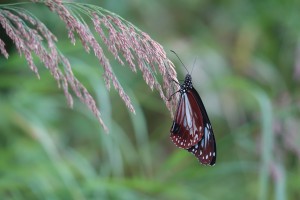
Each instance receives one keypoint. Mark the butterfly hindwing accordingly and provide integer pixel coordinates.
(205, 150)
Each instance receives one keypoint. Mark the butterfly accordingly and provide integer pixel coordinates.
(191, 128)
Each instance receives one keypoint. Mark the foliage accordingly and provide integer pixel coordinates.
(247, 73)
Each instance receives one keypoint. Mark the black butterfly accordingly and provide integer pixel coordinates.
(191, 128)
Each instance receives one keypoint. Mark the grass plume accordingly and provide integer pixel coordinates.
(128, 44)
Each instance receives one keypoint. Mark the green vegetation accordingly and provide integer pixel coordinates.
(247, 73)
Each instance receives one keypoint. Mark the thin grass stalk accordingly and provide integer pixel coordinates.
(267, 142)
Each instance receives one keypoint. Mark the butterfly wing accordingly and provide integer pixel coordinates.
(205, 150)
(187, 128)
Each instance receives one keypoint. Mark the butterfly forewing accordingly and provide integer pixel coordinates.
(205, 150)
(187, 129)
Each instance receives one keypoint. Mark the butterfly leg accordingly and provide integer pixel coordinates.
(169, 99)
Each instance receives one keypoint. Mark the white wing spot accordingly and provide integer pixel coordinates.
(206, 157)
(200, 152)
(209, 153)
(196, 146)
(214, 154)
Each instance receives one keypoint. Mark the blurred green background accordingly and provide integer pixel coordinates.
(247, 73)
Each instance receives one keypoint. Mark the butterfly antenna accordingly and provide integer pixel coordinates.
(194, 64)
(180, 60)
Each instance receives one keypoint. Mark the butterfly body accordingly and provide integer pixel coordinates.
(191, 128)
